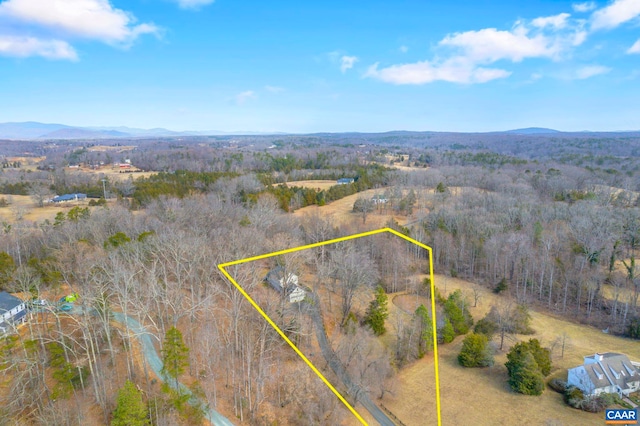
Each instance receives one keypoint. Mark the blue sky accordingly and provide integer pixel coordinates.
(299, 66)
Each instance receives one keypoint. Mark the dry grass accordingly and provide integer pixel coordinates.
(113, 173)
(105, 148)
(482, 396)
(22, 207)
(318, 185)
(340, 211)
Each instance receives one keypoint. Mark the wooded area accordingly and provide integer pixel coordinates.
(546, 223)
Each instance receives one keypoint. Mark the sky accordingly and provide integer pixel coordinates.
(330, 66)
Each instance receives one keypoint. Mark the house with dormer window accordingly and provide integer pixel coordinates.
(606, 373)
(12, 312)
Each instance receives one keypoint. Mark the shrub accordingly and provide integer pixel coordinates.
(501, 286)
(558, 385)
(573, 396)
(476, 351)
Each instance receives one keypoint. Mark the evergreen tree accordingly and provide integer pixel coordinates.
(476, 351)
(175, 355)
(447, 333)
(377, 312)
(130, 409)
(541, 355)
(456, 310)
(525, 376)
(425, 326)
(527, 364)
(487, 327)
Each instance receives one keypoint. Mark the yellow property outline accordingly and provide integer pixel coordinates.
(222, 267)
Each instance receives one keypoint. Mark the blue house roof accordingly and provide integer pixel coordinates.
(69, 197)
(8, 301)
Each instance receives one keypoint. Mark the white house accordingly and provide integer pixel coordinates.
(292, 290)
(606, 373)
(12, 312)
(379, 199)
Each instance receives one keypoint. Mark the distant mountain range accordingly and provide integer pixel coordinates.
(35, 130)
(532, 131)
(43, 131)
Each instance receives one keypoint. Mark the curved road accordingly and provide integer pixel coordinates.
(153, 359)
(155, 363)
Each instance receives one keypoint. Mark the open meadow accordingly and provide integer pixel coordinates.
(483, 396)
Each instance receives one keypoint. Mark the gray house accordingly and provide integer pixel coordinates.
(606, 373)
(12, 312)
(277, 281)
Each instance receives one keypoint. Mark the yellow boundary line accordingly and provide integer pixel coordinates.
(222, 267)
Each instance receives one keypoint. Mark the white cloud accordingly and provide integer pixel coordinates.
(31, 46)
(591, 71)
(454, 70)
(404, 49)
(243, 97)
(617, 13)
(193, 4)
(556, 21)
(466, 57)
(274, 89)
(347, 62)
(91, 19)
(490, 44)
(635, 48)
(584, 7)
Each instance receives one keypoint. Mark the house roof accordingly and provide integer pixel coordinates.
(274, 276)
(69, 197)
(8, 301)
(275, 279)
(610, 369)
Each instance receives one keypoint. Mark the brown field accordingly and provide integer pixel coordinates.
(482, 396)
(314, 184)
(26, 160)
(23, 206)
(113, 173)
(104, 148)
(340, 211)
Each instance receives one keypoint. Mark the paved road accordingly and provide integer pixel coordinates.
(330, 356)
(153, 359)
(155, 363)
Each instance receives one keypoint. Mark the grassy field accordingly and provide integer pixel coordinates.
(340, 211)
(113, 173)
(318, 185)
(482, 396)
(22, 207)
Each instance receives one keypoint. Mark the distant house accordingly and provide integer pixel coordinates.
(277, 281)
(606, 373)
(69, 197)
(345, 181)
(12, 312)
(379, 199)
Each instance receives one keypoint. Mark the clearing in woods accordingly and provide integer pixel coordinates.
(433, 386)
(313, 184)
(482, 396)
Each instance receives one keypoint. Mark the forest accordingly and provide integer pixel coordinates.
(544, 223)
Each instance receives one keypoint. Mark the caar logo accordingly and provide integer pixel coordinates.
(621, 417)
